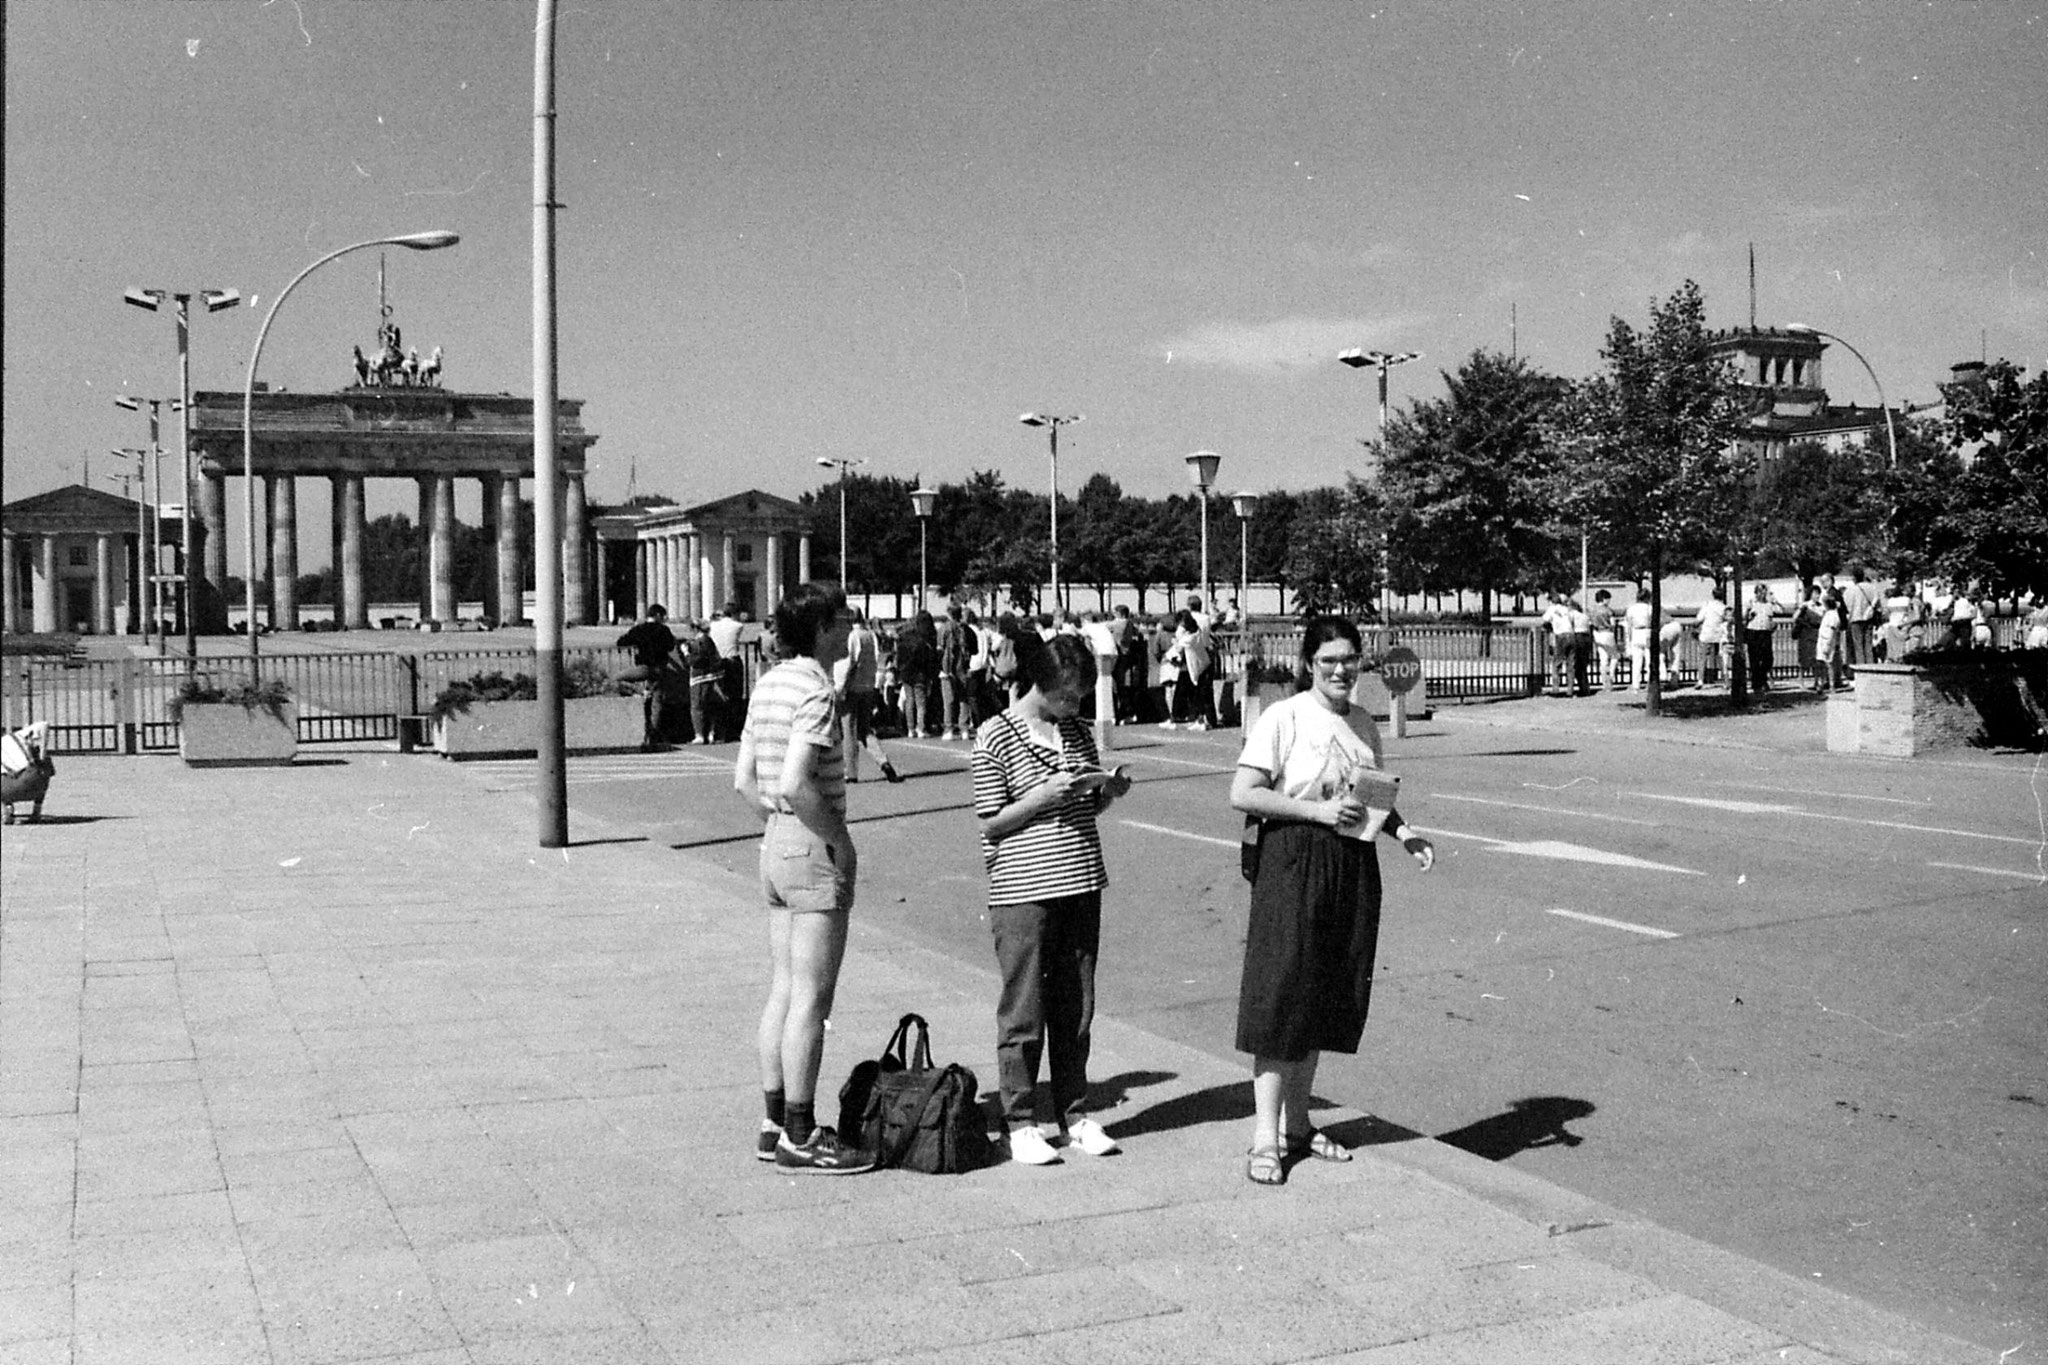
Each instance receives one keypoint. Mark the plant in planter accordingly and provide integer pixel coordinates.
(1266, 682)
(246, 724)
(496, 714)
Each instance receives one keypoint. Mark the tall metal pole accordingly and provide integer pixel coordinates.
(156, 524)
(185, 530)
(924, 569)
(842, 527)
(1208, 593)
(1244, 569)
(547, 547)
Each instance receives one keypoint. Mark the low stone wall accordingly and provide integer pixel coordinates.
(1901, 710)
(511, 729)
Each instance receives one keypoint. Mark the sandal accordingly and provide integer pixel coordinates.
(1318, 1144)
(1265, 1166)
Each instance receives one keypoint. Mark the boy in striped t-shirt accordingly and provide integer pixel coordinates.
(790, 770)
(1037, 790)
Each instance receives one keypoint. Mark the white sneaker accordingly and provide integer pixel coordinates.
(1091, 1138)
(1028, 1147)
(1168, 725)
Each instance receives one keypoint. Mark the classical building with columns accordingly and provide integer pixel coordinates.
(746, 549)
(74, 562)
(429, 436)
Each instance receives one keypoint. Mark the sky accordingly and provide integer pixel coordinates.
(797, 230)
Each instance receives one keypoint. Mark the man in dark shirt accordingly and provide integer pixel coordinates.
(654, 664)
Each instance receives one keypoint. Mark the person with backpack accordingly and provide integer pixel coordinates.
(917, 673)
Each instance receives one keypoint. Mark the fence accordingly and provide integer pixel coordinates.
(123, 705)
(1459, 663)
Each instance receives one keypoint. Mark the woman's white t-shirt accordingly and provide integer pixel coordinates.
(1310, 751)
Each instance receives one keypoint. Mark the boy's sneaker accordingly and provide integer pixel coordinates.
(1091, 1138)
(1028, 1147)
(822, 1154)
(771, 1134)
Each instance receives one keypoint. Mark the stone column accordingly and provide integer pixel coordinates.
(424, 530)
(600, 583)
(803, 557)
(10, 589)
(213, 553)
(771, 577)
(511, 583)
(693, 571)
(443, 546)
(354, 604)
(663, 550)
(679, 572)
(284, 552)
(489, 486)
(728, 556)
(575, 553)
(43, 616)
(640, 578)
(266, 545)
(103, 585)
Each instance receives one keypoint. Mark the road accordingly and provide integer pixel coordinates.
(1790, 1005)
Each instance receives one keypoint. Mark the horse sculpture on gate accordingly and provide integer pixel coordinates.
(393, 365)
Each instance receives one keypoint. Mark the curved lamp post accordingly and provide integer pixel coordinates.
(1202, 469)
(1244, 504)
(1358, 358)
(1052, 426)
(1891, 436)
(921, 501)
(417, 241)
(844, 466)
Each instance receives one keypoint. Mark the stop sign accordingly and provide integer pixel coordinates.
(1401, 669)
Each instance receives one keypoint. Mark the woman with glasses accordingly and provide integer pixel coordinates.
(1315, 902)
(1038, 787)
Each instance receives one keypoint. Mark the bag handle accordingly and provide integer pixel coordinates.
(907, 1053)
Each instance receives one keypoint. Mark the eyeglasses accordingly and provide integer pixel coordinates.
(1345, 661)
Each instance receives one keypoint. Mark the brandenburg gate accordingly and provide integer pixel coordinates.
(391, 424)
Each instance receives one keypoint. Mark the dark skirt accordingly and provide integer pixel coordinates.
(1308, 953)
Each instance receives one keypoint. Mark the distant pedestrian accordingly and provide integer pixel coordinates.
(1315, 896)
(2037, 626)
(1864, 603)
(657, 666)
(790, 770)
(1603, 621)
(1962, 620)
(1713, 627)
(1557, 619)
(857, 675)
(1806, 632)
(1759, 627)
(1038, 788)
(1830, 652)
(917, 672)
(1642, 630)
(1582, 648)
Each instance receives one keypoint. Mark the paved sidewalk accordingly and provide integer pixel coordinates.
(332, 1064)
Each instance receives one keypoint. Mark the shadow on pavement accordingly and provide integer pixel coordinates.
(598, 843)
(1538, 1121)
(64, 819)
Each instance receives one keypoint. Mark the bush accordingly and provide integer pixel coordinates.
(199, 690)
(580, 678)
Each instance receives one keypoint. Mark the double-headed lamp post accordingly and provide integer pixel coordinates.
(1244, 504)
(1890, 435)
(153, 605)
(416, 241)
(140, 485)
(216, 300)
(1358, 358)
(844, 466)
(1202, 469)
(921, 502)
(1052, 426)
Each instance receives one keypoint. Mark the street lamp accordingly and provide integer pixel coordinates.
(921, 500)
(1202, 469)
(156, 510)
(141, 458)
(1382, 361)
(1052, 426)
(842, 465)
(1890, 435)
(151, 300)
(417, 241)
(1244, 504)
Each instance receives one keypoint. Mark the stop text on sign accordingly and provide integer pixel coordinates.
(1401, 669)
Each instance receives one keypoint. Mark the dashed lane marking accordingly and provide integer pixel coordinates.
(1606, 923)
(1180, 833)
(1992, 871)
(1545, 810)
(1808, 791)
(1779, 808)
(1556, 848)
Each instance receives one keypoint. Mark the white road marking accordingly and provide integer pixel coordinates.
(1181, 833)
(1808, 791)
(1546, 810)
(1554, 848)
(1604, 922)
(1992, 871)
(1773, 808)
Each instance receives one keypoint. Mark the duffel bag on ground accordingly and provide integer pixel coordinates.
(912, 1114)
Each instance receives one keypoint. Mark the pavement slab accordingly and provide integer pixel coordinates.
(329, 1064)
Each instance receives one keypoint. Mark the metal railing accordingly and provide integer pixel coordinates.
(1459, 663)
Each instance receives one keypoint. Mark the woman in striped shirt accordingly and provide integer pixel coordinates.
(1038, 786)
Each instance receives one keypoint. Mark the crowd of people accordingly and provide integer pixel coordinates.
(1310, 781)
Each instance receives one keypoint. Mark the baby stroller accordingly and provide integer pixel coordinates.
(25, 769)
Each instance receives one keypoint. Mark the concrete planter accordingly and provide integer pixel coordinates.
(1901, 710)
(230, 735)
(1259, 696)
(511, 729)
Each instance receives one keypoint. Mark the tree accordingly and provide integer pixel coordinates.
(1334, 560)
(1468, 484)
(1093, 548)
(1977, 511)
(1648, 455)
(1815, 509)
